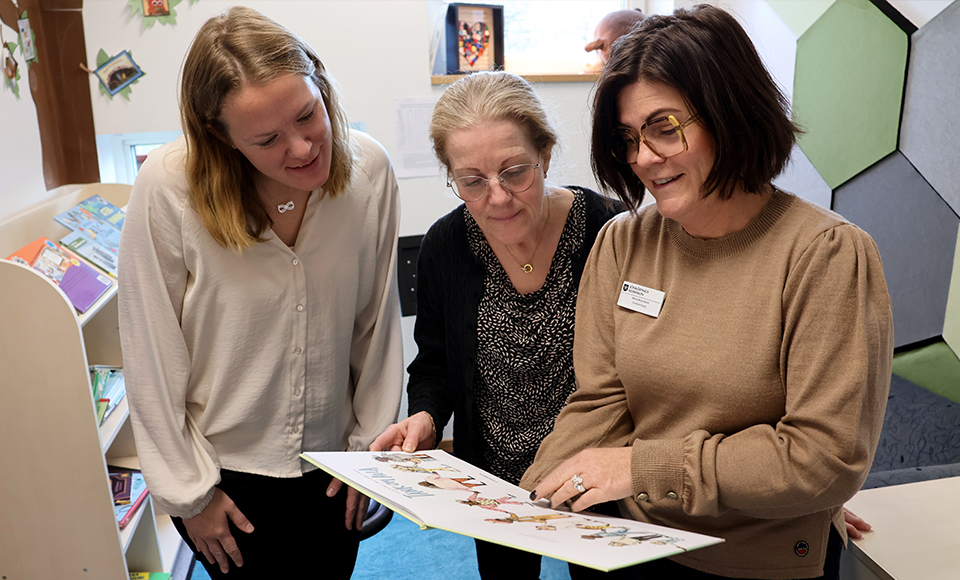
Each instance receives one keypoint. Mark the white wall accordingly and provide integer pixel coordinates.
(21, 165)
(377, 51)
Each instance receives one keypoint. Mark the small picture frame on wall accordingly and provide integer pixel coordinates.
(474, 38)
(156, 8)
(118, 72)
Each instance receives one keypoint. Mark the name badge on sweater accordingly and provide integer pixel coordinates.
(641, 299)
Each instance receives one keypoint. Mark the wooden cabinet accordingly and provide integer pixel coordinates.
(56, 508)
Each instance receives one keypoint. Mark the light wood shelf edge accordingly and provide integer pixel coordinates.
(126, 534)
(112, 424)
(533, 78)
(169, 538)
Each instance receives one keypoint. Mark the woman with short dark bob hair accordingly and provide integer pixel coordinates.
(737, 101)
(733, 342)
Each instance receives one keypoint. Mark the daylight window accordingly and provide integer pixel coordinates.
(548, 37)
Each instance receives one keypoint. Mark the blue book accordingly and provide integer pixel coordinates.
(105, 210)
(98, 255)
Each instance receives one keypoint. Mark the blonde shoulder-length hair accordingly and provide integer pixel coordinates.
(242, 46)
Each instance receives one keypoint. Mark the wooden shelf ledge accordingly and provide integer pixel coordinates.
(533, 78)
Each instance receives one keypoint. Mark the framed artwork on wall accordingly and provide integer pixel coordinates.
(474, 37)
(118, 72)
(156, 8)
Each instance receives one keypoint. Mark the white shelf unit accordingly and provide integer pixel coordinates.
(56, 508)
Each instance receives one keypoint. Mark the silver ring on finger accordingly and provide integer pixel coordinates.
(577, 482)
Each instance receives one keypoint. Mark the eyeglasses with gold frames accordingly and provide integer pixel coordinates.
(514, 179)
(663, 136)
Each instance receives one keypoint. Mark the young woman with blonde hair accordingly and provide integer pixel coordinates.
(258, 304)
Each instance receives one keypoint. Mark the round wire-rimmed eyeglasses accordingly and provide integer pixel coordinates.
(514, 179)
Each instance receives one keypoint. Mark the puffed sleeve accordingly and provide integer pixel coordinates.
(179, 465)
(597, 411)
(836, 358)
(835, 364)
(376, 353)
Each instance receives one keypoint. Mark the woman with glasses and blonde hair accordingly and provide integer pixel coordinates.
(496, 290)
(258, 305)
(734, 342)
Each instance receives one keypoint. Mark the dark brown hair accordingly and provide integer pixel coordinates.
(706, 56)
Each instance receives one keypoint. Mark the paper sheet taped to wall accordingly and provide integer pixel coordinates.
(414, 153)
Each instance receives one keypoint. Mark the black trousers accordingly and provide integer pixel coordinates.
(497, 562)
(299, 531)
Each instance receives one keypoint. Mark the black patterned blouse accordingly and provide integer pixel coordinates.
(524, 351)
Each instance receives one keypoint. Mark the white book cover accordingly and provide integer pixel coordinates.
(434, 489)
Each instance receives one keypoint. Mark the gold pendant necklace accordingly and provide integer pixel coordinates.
(528, 267)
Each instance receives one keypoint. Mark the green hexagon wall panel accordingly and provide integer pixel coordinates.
(930, 133)
(848, 88)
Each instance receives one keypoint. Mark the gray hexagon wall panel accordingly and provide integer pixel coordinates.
(930, 131)
(916, 232)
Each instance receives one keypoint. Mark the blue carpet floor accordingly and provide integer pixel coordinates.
(401, 551)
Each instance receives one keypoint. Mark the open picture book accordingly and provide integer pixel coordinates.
(434, 489)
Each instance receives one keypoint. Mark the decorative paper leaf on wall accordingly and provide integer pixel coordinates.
(10, 66)
(154, 11)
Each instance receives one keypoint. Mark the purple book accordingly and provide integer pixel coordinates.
(83, 285)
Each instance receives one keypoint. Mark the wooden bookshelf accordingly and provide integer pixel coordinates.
(57, 519)
(533, 78)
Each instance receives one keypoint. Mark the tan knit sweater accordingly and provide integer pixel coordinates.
(757, 394)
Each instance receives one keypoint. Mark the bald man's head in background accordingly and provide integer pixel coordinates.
(611, 27)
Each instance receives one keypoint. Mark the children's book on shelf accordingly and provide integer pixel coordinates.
(94, 226)
(114, 389)
(82, 284)
(109, 389)
(121, 484)
(138, 493)
(98, 255)
(105, 210)
(433, 489)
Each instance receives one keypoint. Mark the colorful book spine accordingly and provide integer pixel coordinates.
(138, 494)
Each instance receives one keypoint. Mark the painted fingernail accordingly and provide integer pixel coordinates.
(533, 495)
